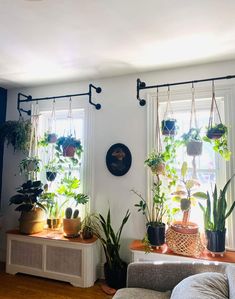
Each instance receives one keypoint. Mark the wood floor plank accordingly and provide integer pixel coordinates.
(23, 286)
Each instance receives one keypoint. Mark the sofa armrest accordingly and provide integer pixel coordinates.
(164, 276)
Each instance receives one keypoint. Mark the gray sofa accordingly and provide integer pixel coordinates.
(158, 279)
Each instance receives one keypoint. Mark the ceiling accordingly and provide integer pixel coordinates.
(49, 41)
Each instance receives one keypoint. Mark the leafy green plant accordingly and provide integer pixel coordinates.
(192, 135)
(216, 211)
(154, 158)
(29, 164)
(16, 133)
(28, 197)
(47, 139)
(159, 208)
(53, 165)
(69, 189)
(185, 194)
(219, 145)
(109, 239)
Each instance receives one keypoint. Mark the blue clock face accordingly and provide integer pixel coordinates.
(118, 159)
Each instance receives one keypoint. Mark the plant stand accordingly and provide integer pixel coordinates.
(183, 243)
(214, 254)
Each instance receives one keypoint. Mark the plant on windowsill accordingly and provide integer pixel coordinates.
(114, 268)
(154, 214)
(186, 196)
(215, 214)
(87, 225)
(217, 136)
(193, 142)
(69, 146)
(71, 223)
(32, 210)
(16, 133)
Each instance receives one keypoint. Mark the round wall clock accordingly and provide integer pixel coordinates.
(118, 159)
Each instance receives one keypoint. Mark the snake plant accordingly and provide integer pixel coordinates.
(216, 210)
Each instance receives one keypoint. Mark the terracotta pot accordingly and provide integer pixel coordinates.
(190, 228)
(158, 168)
(194, 148)
(32, 222)
(69, 151)
(71, 227)
(54, 223)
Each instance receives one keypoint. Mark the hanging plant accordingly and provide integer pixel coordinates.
(156, 162)
(193, 142)
(52, 168)
(16, 133)
(69, 146)
(48, 138)
(168, 125)
(217, 134)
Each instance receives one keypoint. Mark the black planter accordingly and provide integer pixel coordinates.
(156, 234)
(116, 276)
(215, 240)
(215, 133)
(51, 176)
(169, 127)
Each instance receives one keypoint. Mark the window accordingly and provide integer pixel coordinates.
(210, 167)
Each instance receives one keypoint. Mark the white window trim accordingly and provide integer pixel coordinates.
(225, 92)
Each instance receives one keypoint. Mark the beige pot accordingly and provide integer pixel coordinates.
(190, 228)
(158, 169)
(32, 222)
(71, 227)
(194, 148)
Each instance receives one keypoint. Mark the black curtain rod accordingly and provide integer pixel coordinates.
(22, 98)
(142, 85)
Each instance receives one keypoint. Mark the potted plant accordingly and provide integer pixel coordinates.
(16, 133)
(216, 131)
(52, 168)
(215, 214)
(71, 223)
(169, 127)
(29, 165)
(69, 146)
(156, 162)
(154, 214)
(185, 195)
(115, 268)
(87, 225)
(32, 217)
(193, 142)
(219, 140)
(48, 138)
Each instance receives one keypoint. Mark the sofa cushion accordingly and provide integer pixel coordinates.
(208, 285)
(138, 293)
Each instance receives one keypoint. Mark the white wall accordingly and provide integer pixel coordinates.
(121, 119)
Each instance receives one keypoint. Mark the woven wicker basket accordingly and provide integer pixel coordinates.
(184, 244)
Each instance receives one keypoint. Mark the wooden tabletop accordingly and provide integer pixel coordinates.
(55, 235)
(229, 256)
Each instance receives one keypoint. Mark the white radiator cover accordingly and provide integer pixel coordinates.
(73, 262)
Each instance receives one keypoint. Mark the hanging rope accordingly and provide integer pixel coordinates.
(70, 118)
(52, 127)
(157, 133)
(169, 111)
(214, 107)
(33, 145)
(193, 116)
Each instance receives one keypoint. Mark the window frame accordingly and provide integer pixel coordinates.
(181, 94)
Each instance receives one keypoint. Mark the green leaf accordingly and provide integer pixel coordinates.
(184, 169)
(200, 195)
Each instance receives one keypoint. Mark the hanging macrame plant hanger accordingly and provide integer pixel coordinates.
(168, 122)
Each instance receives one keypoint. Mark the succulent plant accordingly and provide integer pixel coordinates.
(69, 214)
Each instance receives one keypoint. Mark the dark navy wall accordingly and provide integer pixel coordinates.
(3, 107)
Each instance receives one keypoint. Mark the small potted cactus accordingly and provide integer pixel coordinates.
(71, 223)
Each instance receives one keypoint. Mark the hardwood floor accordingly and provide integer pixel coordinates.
(22, 286)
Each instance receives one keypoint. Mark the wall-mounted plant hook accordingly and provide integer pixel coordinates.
(22, 98)
(140, 85)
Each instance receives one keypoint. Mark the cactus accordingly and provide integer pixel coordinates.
(75, 213)
(68, 213)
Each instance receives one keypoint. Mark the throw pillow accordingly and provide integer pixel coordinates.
(208, 285)
(138, 293)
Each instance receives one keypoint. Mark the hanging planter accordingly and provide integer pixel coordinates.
(156, 162)
(51, 176)
(69, 146)
(193, 142)
(169, 127)
(217, 134)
